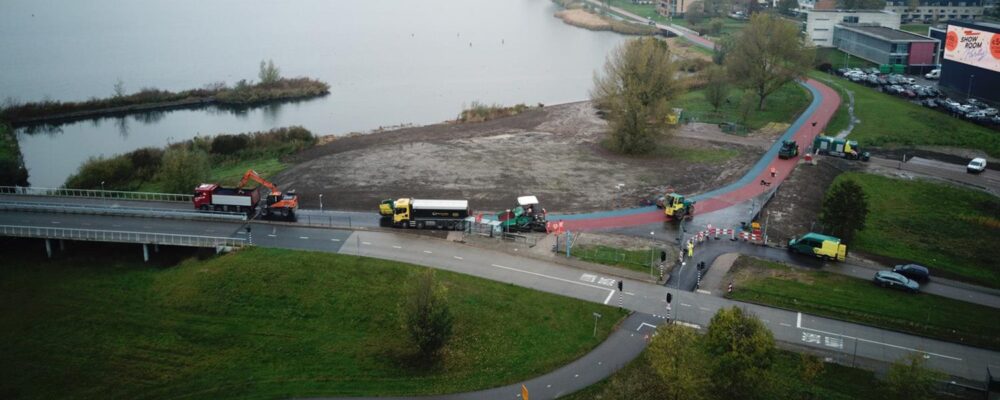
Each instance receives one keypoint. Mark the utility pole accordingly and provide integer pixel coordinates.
(321, 202)
(968, 95)
(596, 316)
(652, 259)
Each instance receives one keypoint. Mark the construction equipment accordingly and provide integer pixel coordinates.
(420, 214)
(277, 205)
(675, 206)
(789, 149)
(819, 245)
(848, 149)
(528, 216)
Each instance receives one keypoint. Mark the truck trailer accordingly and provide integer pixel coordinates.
(211, 196)
(422, 213)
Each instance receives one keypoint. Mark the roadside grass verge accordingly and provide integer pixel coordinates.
(949, 229)
(264, 323)
(889, 120)
(633, 259)
(842, 117)
(835, 382)
(857, 300)
(783, 106)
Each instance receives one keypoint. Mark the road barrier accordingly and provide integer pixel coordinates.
(119, 211)
(91, 193)
(96, 235)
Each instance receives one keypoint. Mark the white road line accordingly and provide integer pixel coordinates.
(367, 243)
(334, 240)
(271, 235)
(303, 237)
(630, 293)
(428, 252)
(458, 258)
(703, 291)
(639, 328)
(784, 324)
(798, 324)
(397, 247)
(237, 232)
(695, 326)
(685, 305)
(56, 222)
(610, 291)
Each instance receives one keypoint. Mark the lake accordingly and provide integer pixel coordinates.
(387, 62)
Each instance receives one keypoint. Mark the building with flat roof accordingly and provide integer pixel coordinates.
(820, 23)
(930, 11)
(971, 62)
(883, 45)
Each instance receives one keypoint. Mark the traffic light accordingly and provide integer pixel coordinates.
(619, 286)
(670, 296)
(663, 256)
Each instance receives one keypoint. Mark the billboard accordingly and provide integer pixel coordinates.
(973, 47)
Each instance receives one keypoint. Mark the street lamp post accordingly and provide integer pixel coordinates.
(321, 202)
(652, 245)
(968, 94)
(596, 316)
(102, 186)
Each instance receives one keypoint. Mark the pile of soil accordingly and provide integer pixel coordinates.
(552, 152)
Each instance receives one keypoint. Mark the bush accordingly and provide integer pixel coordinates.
(116, 173)
(183, 169)
(146, 161)
(229, 144)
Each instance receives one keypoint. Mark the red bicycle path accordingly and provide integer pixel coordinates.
(805, 128)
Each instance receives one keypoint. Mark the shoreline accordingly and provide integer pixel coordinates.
(581, 18)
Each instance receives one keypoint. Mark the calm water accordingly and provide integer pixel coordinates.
(388, 62)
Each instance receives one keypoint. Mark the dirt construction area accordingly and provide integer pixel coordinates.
(552, 152)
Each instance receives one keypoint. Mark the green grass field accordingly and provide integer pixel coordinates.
(949, 229)
(843, 297)
(835, 382)
(636, 260)
(840, 59)
(229, 174)
(889, 120)
(261, 324)
(782, 106)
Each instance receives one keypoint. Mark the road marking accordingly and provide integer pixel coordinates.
(784, 324)
(237, 232)
(271, 235)
(303, 237)
(56, 222)
(685, 305)
(588, 278)
(367, 243)
(630, 293)
(576, 375)
(689, 325)
(610, 291)
(397, 247)
(814, 338)
(644, 324)
(703, 291)
(428, 252)
(458, 258)
(606, 281)
(334, 240)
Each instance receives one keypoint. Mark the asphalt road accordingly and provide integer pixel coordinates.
(843, 340)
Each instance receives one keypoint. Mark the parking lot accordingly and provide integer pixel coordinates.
(925, 92)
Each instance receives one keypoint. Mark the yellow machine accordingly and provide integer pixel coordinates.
(417, 213)
(674, 206)
(821, 246)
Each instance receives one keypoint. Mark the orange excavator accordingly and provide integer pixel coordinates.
(277, 205)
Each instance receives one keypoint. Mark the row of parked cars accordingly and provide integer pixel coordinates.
(904, 277)
(927, 96)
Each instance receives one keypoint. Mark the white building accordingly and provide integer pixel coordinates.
(820, 23)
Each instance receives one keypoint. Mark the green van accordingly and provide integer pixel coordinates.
(819, 245)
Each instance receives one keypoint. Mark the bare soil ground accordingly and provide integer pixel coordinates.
(797, 203)
(552, 152)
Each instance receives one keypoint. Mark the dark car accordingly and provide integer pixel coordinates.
(931, 103)
(915, 272)
(895, 280)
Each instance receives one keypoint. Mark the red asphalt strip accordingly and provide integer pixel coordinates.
(805, 135)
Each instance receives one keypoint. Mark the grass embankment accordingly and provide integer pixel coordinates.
(634, 259)
(858, 300)
(949, 229)
(266, 323)
(891, 121)
(781, 107)
(12, 170)
(835, 382)
(229, 157)
(240, 95)
(479, 112)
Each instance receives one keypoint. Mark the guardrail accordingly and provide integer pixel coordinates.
(96, 235)
(120, 211)
(90, 193)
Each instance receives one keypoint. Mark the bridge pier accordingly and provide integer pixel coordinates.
(62, 245)
(48, 247)
(145, 252)
(156, 247)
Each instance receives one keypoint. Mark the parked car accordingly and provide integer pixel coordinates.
(965, 109)
(995, 120)
(914, 272)
(894, 280)
(930, 103)
(909, 93)
(975, 103)
(976, 166)
(990, 111)
(934, 74)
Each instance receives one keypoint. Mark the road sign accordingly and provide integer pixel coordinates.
(524, 392)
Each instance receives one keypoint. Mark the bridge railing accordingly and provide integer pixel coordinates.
(120, 211)
(97, 235)
(93, 193)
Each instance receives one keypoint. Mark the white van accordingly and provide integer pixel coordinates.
(934, 74)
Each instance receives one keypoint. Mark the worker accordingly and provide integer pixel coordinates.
(690, 248)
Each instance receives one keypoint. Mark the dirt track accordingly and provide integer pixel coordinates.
(553, 152)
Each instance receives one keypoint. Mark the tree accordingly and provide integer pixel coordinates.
(845, 209)
(426, 316)
(787, 6)
(767, 54)
(119, 88)
(722, 47)
(268, 72)
(909, 379)
(716, 8)
(741, 349)
(638, 83)
(747, 104)
(861, 4)
(677, 357)
(717, 86)
(183, 169)
(695, 13)
(715, 26)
